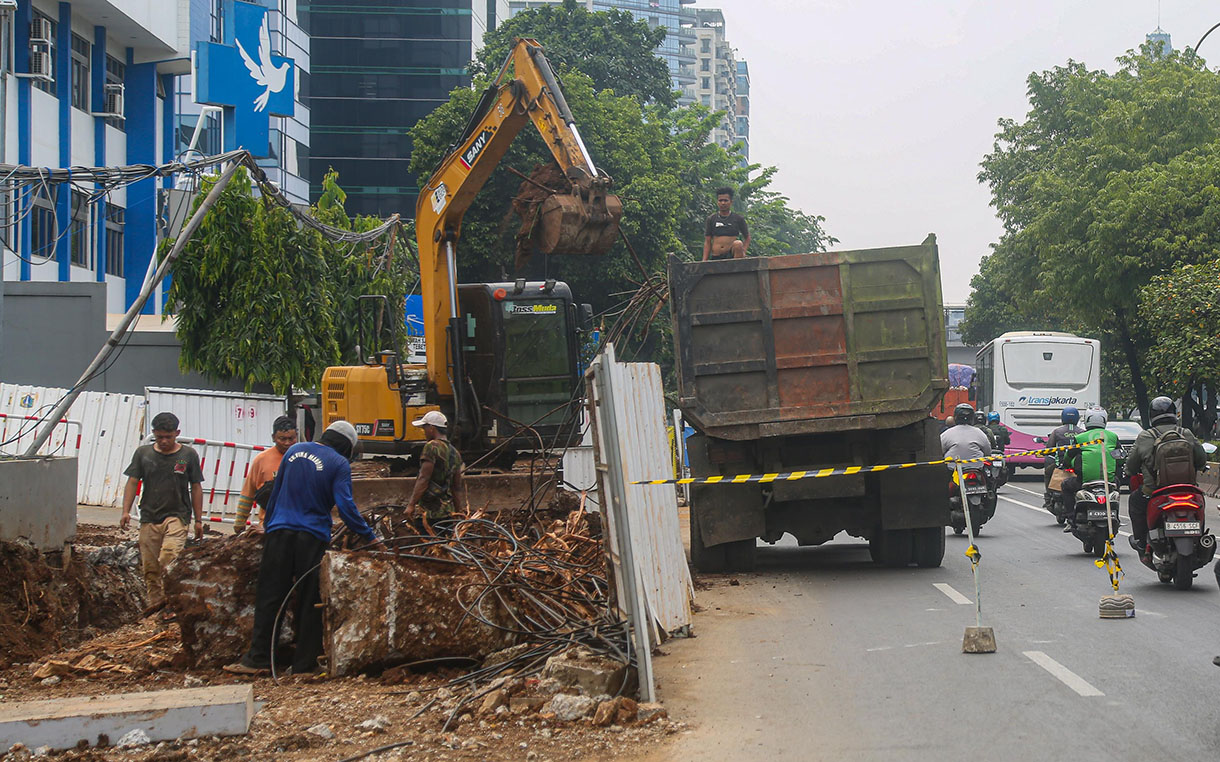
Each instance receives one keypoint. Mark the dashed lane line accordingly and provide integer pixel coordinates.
(1062, 673)
(1042, 510)
(952, 594)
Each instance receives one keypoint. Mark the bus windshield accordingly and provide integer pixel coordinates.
(1047, 364)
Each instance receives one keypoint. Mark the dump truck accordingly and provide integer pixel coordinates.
(807, 362)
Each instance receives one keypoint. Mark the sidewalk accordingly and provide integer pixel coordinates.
(96, 514)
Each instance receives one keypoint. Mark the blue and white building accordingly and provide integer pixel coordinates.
(102, 83)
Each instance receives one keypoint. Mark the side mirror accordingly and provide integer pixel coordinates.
(1039, 440)
(1117, 454)
(584, 317)
(1209, 448)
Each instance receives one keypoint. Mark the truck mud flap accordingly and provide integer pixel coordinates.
(914, 497)
(722, 513)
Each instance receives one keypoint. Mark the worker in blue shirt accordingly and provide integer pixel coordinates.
(313, 477)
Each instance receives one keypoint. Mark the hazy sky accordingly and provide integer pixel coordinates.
(878, 113)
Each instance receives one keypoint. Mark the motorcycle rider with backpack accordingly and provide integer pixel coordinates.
(1061, 436)
(998, 431)
(1162, 455)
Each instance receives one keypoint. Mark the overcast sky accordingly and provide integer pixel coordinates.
(877, 113)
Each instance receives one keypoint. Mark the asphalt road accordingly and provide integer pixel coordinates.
(821, 655)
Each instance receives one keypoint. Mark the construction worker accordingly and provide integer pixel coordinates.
(172, 492)
(313, 477)
(438, 488)
(257, 487)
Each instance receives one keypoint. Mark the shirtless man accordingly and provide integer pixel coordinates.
(726, 235)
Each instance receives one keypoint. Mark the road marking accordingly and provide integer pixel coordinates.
(1062, 673)
(1040, 509)
(953, 595)
(1030, 491)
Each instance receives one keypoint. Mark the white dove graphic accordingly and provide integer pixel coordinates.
(270, 77)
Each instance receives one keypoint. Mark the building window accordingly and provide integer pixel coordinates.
(705, 45)
(706, 83)
(653, 21)
(707, 101)
(42, 228)
(80, 72)
(116, 217)
(218, 21)
(47, 86)
(80, 248)
(705, 64)
(116, 74)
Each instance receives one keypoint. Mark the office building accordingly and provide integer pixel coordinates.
(377, 69)
(716, 72)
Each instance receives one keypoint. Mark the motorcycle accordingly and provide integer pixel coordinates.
(1178, 539)
(980, 497)
(1089, 519)
(1059, 507)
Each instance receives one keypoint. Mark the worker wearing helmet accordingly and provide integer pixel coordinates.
(1061, 436)
(964, 441)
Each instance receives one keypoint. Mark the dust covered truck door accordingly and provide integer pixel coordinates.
(807, 362)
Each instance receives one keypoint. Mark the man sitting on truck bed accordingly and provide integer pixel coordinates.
(726, 235)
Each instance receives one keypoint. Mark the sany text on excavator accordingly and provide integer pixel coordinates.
(500, 356)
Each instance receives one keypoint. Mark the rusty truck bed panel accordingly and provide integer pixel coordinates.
(808, 343)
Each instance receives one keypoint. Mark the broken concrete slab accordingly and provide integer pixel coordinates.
(224, 710)
(381, 611)
(591, 674)
(566, 707)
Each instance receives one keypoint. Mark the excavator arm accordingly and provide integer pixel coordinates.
(582, 222)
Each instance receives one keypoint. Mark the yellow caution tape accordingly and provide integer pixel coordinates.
(792, 476)
(974, 554)
(1109, 562)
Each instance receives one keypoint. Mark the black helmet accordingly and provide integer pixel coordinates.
(963, 413)
(1162, 410)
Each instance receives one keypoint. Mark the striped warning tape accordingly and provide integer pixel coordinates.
(792, 476)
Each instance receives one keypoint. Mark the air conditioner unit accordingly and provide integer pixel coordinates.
(40, 64)
(113, 106)
(40, 31)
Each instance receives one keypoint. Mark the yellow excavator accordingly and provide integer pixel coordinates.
(502, 358)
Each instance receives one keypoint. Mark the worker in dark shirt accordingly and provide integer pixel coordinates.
(313, 476)
(726, 235)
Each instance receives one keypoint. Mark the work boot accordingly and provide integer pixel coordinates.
(1137, 544)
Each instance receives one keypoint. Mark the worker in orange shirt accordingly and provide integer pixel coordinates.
(257, 487)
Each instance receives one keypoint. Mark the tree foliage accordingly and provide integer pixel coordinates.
(611, 47)
(263, 300)
(1109, 181)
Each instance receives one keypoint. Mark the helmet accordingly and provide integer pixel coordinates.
(1162, 410)
(963, 413)
(993, 417)
(1095, 419)
(1070, 415)
(980, 418)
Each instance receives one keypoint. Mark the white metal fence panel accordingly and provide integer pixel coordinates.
(652, 511)
(218, 416)
(580, 471)
(103, 429)
(225, 466)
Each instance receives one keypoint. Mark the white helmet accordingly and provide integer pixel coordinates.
(1095, 419)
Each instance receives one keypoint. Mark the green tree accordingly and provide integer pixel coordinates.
(1109, 181)
(611, 47)
(1182, 310)
(264, 300)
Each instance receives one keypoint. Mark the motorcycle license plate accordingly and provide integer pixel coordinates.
(976, 489)
(1097, 515)
(1183, 526)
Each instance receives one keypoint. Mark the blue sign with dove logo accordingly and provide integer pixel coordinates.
(244, 77)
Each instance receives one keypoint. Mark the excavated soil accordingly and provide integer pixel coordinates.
(47, 604)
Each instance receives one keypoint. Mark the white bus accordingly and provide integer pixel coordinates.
(1030, 376)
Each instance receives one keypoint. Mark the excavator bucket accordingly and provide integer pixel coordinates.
(568, 224)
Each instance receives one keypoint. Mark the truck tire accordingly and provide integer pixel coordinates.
(708, 560)
(741, 556)
(929, 546)
(896, 548)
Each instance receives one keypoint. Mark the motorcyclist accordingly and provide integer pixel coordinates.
(964, 441)
(1001, 433)
(980, 422)
(1087, 461)
(1068, 419)
(1163, 416)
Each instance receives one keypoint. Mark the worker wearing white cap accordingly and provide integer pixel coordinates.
(313, 476)
(438, 489)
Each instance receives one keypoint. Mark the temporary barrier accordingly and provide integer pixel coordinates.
(110, 428)
(218, 416)
(580, 472)
(225, 466)
(16, 430)
(654, 587)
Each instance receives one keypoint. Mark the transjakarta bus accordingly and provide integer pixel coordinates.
(1029, 377)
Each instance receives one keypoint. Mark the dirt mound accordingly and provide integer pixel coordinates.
(47, 606)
